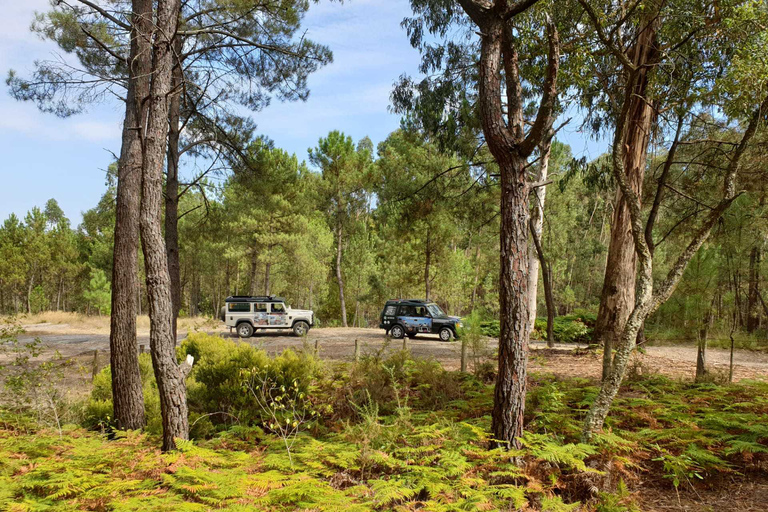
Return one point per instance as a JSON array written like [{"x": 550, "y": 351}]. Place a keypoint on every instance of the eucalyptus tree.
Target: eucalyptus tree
[
  {"x": 655, "y": 60},
  {"x": 735, "y": 89}
]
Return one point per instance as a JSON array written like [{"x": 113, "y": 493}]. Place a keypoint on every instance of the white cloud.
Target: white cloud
[{"x": 25, "y": 118}]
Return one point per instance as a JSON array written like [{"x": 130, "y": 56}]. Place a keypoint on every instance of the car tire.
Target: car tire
[
  {"x": 244, "y": 330},
  {"x": 397, "y": 332},
  {"x": 300, "y": 328},
  {"x": 412, "y": 335},
  {"x": 446, "y": 334}
]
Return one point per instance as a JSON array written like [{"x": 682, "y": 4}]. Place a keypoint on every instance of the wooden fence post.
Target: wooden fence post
[
  {"x": 357, "y": 350},
  {"x": 463, "y": 356},
  {"x": 405, "y": 342},
  {"x": 141, "y": 349},
  {"x": 95, "y": 365},
  {"x": 317, "y": 348}
]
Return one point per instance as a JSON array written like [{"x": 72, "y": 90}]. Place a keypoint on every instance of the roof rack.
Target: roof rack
[
  {"x": 418, "y": 301},
  {"x": 254, "y": 298}
]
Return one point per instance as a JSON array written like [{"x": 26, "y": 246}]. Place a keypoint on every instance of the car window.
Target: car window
[
  {"x": 390, "y": 310},
  {"x": 278, "y": 308},
  {"x": 419, "y": 311},
  {"x": 261, "y": 308},
  {"x": 435, "y": 310},
  {"x": 239, "y": 307},
  {"x": 406, "y": 311}
]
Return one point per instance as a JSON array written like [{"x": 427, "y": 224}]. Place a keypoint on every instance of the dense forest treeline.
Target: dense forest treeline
[{"x": 415, "y": 222}]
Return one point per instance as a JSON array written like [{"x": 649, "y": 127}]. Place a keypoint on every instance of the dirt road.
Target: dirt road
[{"x": 339, "y": 343}]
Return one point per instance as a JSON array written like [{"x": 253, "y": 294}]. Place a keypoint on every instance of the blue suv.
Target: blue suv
[{"x": 409, "y": 317}]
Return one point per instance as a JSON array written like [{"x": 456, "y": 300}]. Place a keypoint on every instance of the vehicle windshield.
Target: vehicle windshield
[{"x": 435, "y": 310}]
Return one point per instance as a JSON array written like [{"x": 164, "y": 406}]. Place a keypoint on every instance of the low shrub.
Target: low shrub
[
  {"x": 385, "y": 379},
  {"x": 226, "y": 372},
  {"x": 566, "y": 329},
  {"x": 219, "y": 387},
  {"x": 577, "y": 327}
]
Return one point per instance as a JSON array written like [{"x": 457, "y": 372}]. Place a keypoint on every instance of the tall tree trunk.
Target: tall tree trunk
[
  {"x": 701, "y": 348},
  {"x": 254, "y": 272},
  {"x": 267, "y": 269},
  {"x": 546, "y": 274},
  {"x": 339, "y": 277},
  {"x": 537, "y": 226},
  {"x": 477, "y": 277},
  {"x": 428, "y": 254},
  {"x": 58, "y": 293},
  {"x": 127, "y": 394},
  {"x": 169, "y": 375},
  {"x": 172, "y": 183},
  {"x": 30, "y": 287},
  {"x": 509, "y": 393},
  {"x": 505, "y": 134},
  {"x": 618, "y": 294},
  {"x": 753, "y": 315},
  {"x": 737, "y": 296}
]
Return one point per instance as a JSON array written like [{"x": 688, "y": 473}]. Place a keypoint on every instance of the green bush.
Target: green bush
[
  {"x": 384, "y": 380},
  {"x": 491, "y": 328},
  {"x": 217, "y": 387},
  {"x": 574, "y": 328},
  {"x": 98, "y": 409},
  {"x": 221, "y": 378}
]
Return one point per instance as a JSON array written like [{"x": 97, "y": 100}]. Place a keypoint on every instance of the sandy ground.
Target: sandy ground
[{"x": 339, "y": 344}]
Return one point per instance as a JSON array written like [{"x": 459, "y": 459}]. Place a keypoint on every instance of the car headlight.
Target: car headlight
[{"x": 459, "y": 324}]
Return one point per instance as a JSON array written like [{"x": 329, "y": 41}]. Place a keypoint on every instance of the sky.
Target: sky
[{"x": 46, "y": 157}]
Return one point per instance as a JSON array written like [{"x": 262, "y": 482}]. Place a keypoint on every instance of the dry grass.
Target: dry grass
[{"x": 61, "y": 322}]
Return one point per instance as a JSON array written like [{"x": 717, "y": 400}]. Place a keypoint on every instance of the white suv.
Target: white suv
[{"x": 246, "y": 314}]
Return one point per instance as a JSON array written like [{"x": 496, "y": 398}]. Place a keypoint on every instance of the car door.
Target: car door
[
  {"x": 278, "y": 315},
  {"x": 260, "y": 314},
  {"x": 413, "y": 319},
  {"x": 424, "y": 319}
]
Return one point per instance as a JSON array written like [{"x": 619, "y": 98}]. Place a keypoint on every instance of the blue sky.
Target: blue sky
[{"x": 45, "y": 157}]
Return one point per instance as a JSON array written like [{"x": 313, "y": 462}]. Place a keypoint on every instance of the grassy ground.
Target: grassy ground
[
  {"x": 392, "y": 433},
  {"x": 62, "y": 322}
]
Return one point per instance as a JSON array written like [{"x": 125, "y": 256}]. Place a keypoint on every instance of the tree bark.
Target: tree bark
[
  {"x": 339, "y": 277},
  {"x": 170, "y": 378},
  {"x": 753, "y": 315},
  {"x": 127, "y": 394},
  {"x": 172, "y": 183},
  {"x": 29, "y": 293},
  {"x": 428, "y": 259},
  {"x": 546, "y": 274},
  {"x": 537, "y": 226},
  {"x": 701, "y": 348},
  {"x": 254, "y": 272},
  {"x": 618, "y": 293},
  {"x": 267, "y": 269}
]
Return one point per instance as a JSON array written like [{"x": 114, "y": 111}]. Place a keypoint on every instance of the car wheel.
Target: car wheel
[
  {"x": 300, "y": 328},
  {"x": 245, "y": 330},
  {"x": 396, "y": 332},
  {"x": 446, "y": 334}
]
